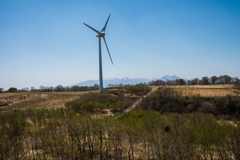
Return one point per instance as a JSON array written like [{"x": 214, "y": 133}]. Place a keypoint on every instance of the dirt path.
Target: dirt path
[{"x": 139, "y": 100}]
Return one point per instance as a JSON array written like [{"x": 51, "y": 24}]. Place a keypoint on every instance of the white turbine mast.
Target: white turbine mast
[{"x": 99, "y": 35}]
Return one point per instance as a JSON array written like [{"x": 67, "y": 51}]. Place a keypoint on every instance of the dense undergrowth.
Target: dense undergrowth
[
  {"x": 66, "y": 134},
  {"x": 94, "y": 102},
  {"x": 138, "y": 89},
  {"x": 168, "y": 100},
  {"x": 237, "y": 86}
]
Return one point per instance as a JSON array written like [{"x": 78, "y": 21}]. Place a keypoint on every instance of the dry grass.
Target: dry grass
[
  {"x": 208, "y": 92},
  {"x": 74, "y": 93},
  {"x": 38, "y": 100},
  {"x": 218, "y": 90},
  {"x": 4, "y": 95},
  {"x": 222, "y": 86}
]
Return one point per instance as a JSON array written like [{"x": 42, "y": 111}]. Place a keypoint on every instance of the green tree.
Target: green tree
[
  {"x": 196, "y": 80},
  {"x": 237, "y": 79},
  {"x": 193, "y": 82},
  {"x": 60, "y": 88},
  {"x": 180, "y": 81},
  {"x": 1, "y": 90},
  {"x": 12, "y": 89},
  {"x": 227, "y": 79},
  {"x": 95, "y": 87},
  {"x": 214, "y": 79},
  {"x": 205, "y": 80}
]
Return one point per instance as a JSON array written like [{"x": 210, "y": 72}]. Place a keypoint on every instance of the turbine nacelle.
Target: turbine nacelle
[{"x": 100, "y": 34}]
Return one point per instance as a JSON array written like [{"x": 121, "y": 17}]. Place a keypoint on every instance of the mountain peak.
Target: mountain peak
[
  {"x": 124, "y": 80},
  {"x": 169, "y": 77}
]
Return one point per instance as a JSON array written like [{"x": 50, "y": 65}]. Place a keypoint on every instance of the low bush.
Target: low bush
[
  {"x": 139, "y": 89},
  {"x": 93, "y": 102},
  {"x": 2, "y": 104}
]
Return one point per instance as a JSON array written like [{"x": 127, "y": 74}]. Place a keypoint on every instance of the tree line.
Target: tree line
[
  {"x": 58, "y": 88},
  {"x": 61, "y": 88},
  {"x": 222, "y": 79}
]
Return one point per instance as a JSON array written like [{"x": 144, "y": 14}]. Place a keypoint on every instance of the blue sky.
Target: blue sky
[{"x": 45, "y": 42}]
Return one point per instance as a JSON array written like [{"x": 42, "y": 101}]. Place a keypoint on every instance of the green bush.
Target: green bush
[
  {"x": 93, "y": 102},
  {"x": 139, "y": 89},
  {"x": 2, "y": 104},
  {"x": 114, "y": 107}
]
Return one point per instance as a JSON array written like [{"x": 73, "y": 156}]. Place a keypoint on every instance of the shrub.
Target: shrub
[
  {"x": 3, "y": 104},
  {"x": 139, "y": 89},
  {"x": 207, "y": 107},
  {"x": 12, "y": 89},
  {"x": 178, "y": 92},
  {"x": 232, "y": 104},
  {"x": 114, "y": 107}
]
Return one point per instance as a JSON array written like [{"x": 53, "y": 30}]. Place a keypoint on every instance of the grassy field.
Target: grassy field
[
  {"x": 219, "y": 90},
  {"x": 222, "y": 86},
  {"x": 208, "y": 92},
  {"x": 5, "y": 95},
  {"x": 38, "y": 100}
]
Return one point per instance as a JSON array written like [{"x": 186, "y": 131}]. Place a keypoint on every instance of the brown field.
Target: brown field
[
  {"x": 222, "y": 86},
  {"x": 39, "y": 100},
  {"x": 218, "y": 90},
  {"x": 5, "y": 95},
  {"x": 74, "y": 93},
  {"x": 208, "y": 92}
]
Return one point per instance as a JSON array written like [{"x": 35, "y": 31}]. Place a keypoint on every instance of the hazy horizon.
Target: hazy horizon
[{"x": 45, "y": 42}]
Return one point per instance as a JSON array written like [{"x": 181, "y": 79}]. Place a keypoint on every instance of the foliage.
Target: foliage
[
  {"x": 193, "y": 82},
  {"x": 114, "y": 106},
  {"x": 170, "y": 100},
  {"x": 12, "y": 89},
  {"x": 93, "y": 102},
  {"x": 180, "y": 81},
  {"x": 63, "y": 134},
  {"x": 237, "y": 86},
  {"x": 214, "y": 79},
  {"x": 222, "y": 79},
  {"x": 139, "y": 89},
  {"x": 205, "y": 80},
  {"x": 3, "y": 103},
  {"x": 178, "y": 92}
]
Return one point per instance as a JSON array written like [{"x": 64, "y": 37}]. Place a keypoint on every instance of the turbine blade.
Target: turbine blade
[
  {"x": 92, "y": 28},
  {"x": 104, "y": 28},
  {"x": 107, "y": 49}
]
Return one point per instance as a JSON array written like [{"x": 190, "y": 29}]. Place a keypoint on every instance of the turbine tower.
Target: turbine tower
[{"x": 101, "y": 35}]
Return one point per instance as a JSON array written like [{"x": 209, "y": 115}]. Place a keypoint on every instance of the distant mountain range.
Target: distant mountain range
[{"x": 124, "y": 80}]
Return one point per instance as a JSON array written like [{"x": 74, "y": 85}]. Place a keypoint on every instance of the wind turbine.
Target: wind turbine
[{"x": 101, "y": 35}]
